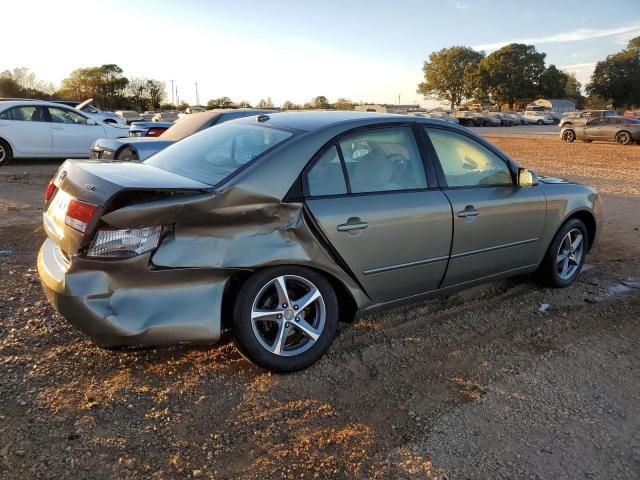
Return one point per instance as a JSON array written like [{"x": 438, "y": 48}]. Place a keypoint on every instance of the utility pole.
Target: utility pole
[
  {"x": 177, "y": 96},
  {"x": 197, "y": 97},
  {"x": 398, "y": 99},
  {"x": 173, "y": 98}
]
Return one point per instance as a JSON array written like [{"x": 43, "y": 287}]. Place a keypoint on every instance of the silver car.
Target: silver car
[{"x": 278, "y": 226}]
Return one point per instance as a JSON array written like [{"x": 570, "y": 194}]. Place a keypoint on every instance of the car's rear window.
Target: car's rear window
[{"x": 213, "y": 154}]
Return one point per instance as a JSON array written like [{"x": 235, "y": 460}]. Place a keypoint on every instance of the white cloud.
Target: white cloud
[
  {"x": 578, "y": 35},
  {"x": 582, "y": 71}
]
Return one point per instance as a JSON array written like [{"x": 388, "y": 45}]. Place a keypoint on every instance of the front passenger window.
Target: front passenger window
[
  {"x": 59, "y": 115},
  {"x": 466, "y": 163}
]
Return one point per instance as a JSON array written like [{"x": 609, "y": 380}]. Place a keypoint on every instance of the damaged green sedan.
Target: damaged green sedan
[{"x": 278, "y": 226}]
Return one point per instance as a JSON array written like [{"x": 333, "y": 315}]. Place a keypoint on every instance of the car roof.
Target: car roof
[
  {"x": 30, "y": 103},
  {"x": 309, "y": 121}
]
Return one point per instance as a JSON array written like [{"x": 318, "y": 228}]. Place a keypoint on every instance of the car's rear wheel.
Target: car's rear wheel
[
  {"x": 565, "y": 257},
  {"x": 540, "y": 122},
  {"x": 623, "y": 138},
  {"x": 285, "y": 318},
  {"x": 568, "y": 136},
  {"x": 5, "y": 153}
]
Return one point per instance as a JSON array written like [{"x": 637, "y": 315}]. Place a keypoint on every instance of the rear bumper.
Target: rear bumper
[{"x": 126, "y": 302}]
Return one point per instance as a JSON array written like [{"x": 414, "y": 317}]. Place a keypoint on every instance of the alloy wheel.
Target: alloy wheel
[
  {"x": 3, "y": 153},
  {"x": 568, "y": 136},
  {"x": 623, "y": 138},
  {"x": 288, "y": 315},
  {"x": 570, "y": 253}
]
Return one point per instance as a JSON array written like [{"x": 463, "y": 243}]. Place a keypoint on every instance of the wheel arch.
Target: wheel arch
[
  {"x": 347, "y": 305},
  {"x": 589, "y": 220},
  {"x": 5, "y": 140}
]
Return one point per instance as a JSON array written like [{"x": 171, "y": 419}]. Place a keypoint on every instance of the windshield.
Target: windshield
[{"x": 213, "y": 154}]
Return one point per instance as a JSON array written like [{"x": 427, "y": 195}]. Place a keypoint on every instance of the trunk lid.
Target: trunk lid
[{"x": 108, "y": 186}]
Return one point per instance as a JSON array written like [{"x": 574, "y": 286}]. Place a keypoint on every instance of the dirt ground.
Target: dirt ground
[{"x": 479, "y": 384}]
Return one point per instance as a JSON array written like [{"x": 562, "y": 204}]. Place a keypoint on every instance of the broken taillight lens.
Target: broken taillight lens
[
  {"x": 48, "y": 193},
  {"x": 125, "y": 243},
  {"x": 79, "y": 214}
]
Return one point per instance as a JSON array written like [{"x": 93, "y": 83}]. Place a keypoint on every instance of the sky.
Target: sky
[{"x": 364, "y": 50}]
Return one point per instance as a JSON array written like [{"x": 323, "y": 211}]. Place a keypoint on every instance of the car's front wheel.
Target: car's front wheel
[
  {"x": 285, "y": 318},
  {"x": 565, "y": 257},
  {"x": 568, "y": 136},
  {"x": 623, "y": 138},
  {"x": 5, "y": 153}
]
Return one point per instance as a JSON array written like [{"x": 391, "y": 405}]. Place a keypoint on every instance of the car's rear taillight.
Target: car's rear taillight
[
  {"x": 48, "y": 193},
  {"x": 155, "y": 132},
  {"x": 79, "y": 214},
  {"x": 125, "y": 243}
]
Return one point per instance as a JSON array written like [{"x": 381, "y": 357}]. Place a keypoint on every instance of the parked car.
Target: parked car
[
  {"x": 583, "y": 117},
  {"x": 622, "y": 130},
  {"x": 148, "y": 115},
  {"x": 535, "y": 117},
  {"x": 504, "y": 119},
  {"x": 632, "y": 113},
  {"x": 489, "y": 119},
  {"x": 148, "y": 129},
  {"x": 468, "y": 119},
  {"x": 35, "y": 129},
  {"x": 91, "y": 110},
  {"x": 434, "y": 115},
  {"x": 445, "y": 117},
  {"x": 130, "y": 116},
  {"x": 165, "y": 117},
  {"x": 135, "y": 149},
  {"x": 278, "y": 226}
]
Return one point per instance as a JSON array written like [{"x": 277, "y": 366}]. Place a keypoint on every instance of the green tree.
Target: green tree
[
  {"x": 105, "y": 84},
  {"x": 617, "y": 79},
  {"x": 320, "y": 102},
  {"x": 344, "y": 104},
  {"x": 222, "y": 102},
  {"x": 288, "y": 105},
  {"x": 445, "y": 71},
  {"x": 512, "y": 74},
  {"x": 552, "y": 83},
  {"x": 137, "y": 94},
  {"x": 573, "y": 90},
  {"x": 244, "y": 104},
  {"x": 268, "y": 103},
  {"x": 157, "y": 92}
]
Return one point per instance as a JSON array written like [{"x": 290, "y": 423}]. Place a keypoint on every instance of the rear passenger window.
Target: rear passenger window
[
  {"x": 6, "y": 115},
  {"x": 326, "y": 176},
  {"x": 384, "y": 159}
]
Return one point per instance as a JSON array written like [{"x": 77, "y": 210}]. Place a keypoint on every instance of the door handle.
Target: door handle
[
  {"x": 58, "y": 128},
  {"x": 352, "y": 224},
  {"x": 468, "y": 211}
]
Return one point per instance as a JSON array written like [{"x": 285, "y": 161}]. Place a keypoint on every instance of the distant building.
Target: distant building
[
  {"x": 386, "y": 108},
  {"x": 554, "y": 104}
]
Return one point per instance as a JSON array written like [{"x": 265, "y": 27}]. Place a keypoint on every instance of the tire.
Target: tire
[
  {"x": 540, "y": 122},
  {"x": 623, "y": 138},
  {"x": 262, "y": 297},
  {"x": 552, "y": 272},
  {"x": 569, "y": 136},
  {"x": 6, "y": 155}
]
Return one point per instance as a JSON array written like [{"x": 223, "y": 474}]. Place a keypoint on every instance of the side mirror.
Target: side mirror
[
  {"x": 527, "y": 178},
  {"x": 91, "y": 121}
]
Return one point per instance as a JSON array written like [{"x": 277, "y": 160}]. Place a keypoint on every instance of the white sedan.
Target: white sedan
[{"x": 35, "y": 129}]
